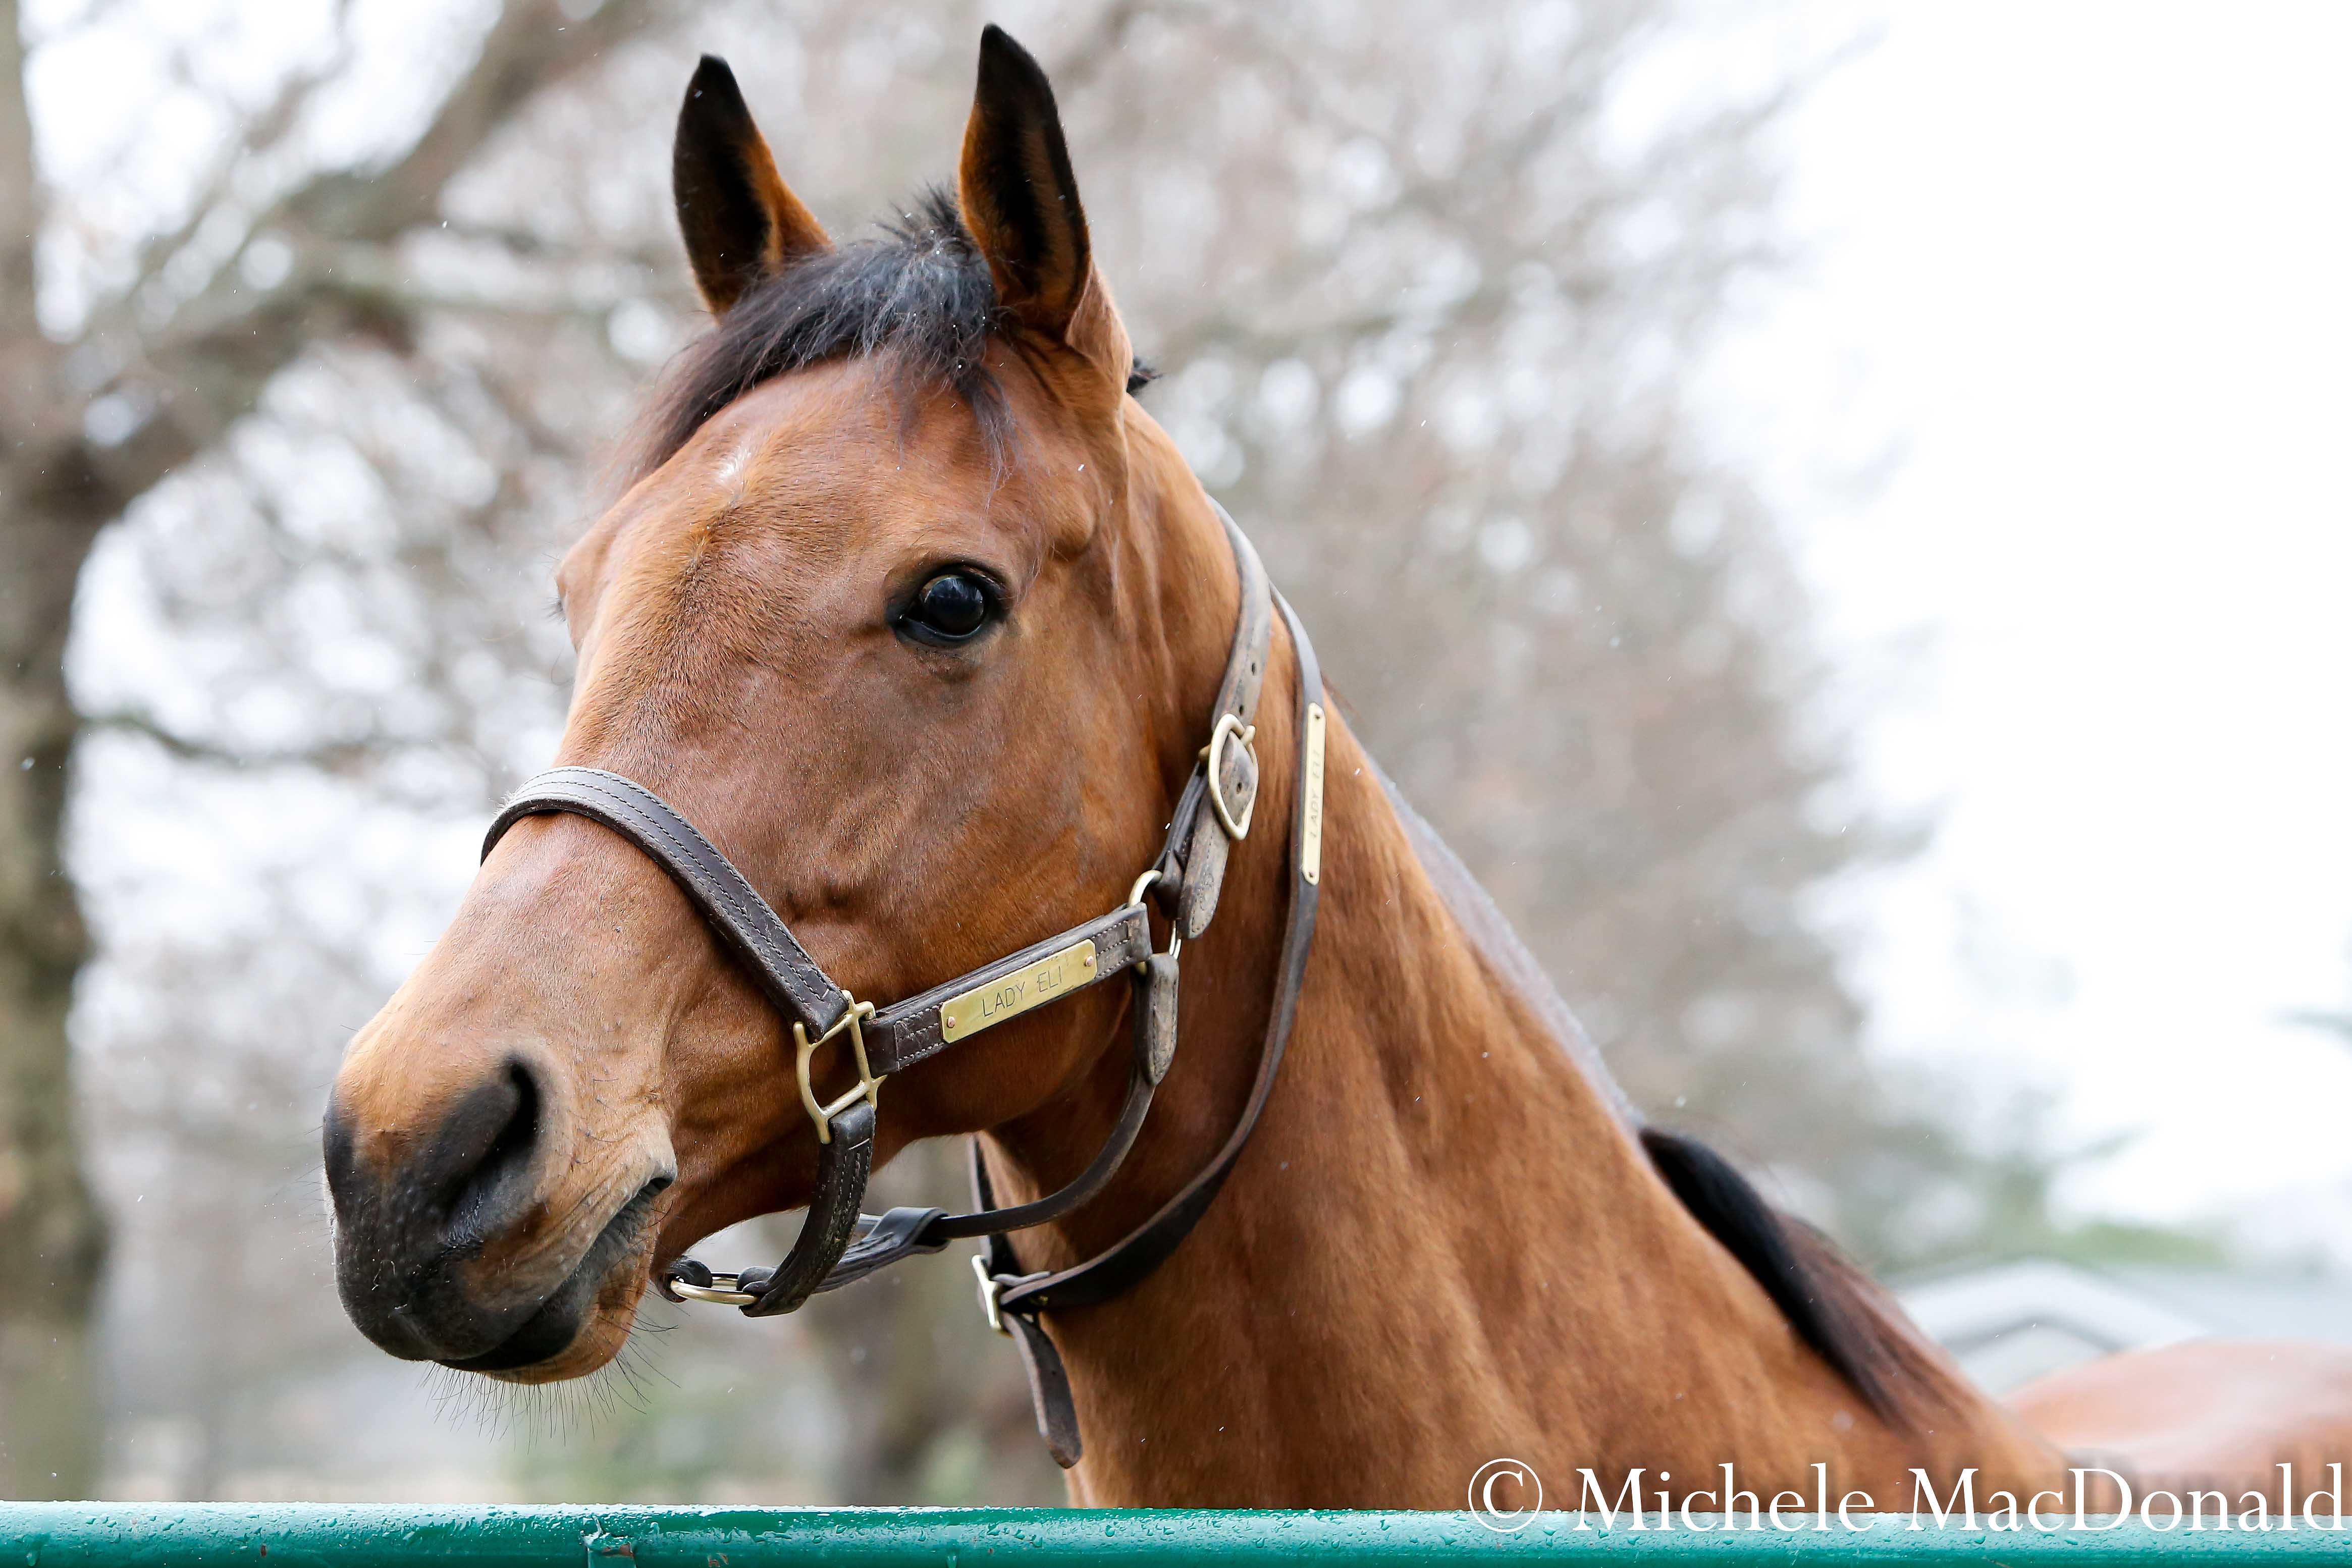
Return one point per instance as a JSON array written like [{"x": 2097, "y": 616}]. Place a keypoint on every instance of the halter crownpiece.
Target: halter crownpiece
[{"x": 838, "y": 1244}]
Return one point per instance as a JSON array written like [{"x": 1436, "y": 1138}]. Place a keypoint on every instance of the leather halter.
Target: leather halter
[{"x": 836, "y": 1244}]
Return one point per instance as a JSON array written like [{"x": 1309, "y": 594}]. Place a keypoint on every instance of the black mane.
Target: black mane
[
  {"x": 918, "y": 293},
  {"x": 1830, "y": 1304}
]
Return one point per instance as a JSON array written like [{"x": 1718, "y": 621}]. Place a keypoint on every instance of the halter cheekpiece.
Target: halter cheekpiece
[{"x": 838, "y": 1244}]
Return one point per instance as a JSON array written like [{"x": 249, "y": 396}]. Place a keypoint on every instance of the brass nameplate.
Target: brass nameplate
[
  {"x": 1310, "y": 846},
  {"x": 1031, "y": 986}
]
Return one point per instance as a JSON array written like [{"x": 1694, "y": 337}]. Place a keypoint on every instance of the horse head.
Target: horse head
[{"x": 886, "y": 612}]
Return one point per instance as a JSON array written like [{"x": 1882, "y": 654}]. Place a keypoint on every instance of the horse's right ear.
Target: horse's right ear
[{"x": 742, "y": 224}]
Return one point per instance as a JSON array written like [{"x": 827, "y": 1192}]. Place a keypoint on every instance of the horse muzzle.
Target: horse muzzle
[{"x": 449, "y": 1248}]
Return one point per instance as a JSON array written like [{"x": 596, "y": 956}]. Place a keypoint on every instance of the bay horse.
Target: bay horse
[{"x": 914, "y": 610}]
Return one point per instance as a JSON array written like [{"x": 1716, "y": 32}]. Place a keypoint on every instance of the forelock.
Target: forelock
[{"x": 917, "y": 295}]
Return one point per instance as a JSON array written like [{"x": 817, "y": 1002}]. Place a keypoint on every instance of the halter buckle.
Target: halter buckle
[
  {"x": 993, "y": 1286},
  {"x": 992, "y": 1293},
  {"x": 868, "y": 1085},
  {"x": 1229, "y": 727}
]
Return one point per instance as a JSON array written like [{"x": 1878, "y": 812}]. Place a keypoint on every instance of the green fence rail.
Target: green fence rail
[{"x": 290, "y": 1535}]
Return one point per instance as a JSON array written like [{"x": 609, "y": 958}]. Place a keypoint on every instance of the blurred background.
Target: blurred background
[{"x": 1837, "y": 511}]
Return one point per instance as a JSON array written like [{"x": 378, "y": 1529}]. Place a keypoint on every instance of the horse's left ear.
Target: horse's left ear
[{"x": 1020, "y": 200}]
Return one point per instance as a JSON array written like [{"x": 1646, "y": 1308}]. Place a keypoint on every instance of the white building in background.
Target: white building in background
[{"x": 2011, "y": 1322}]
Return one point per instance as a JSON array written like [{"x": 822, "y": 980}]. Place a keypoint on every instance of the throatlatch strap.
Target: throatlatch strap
[{"x": 1088, "y": 1182}]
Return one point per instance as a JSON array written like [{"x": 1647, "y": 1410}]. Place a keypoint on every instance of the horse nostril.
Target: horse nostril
[
  {"x": 485, "y": 1156},
  {"x": 415, "y": 1201}
]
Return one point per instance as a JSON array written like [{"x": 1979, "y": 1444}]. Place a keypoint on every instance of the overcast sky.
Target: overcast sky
[{"x": 2079, "y": 275}]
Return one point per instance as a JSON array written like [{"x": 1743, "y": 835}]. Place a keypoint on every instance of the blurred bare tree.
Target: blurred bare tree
[
  {"x": 136, "y": 338},
  {"x": 1429, "y": 287}
]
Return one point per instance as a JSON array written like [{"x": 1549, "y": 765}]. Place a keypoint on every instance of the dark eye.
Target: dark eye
[{"x": 950, "y": 608}]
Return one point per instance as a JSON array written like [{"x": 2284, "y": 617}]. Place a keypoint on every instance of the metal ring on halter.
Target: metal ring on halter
[
  {"x": 1135, "y": 896},
  {"x": 723, "y": 1295}
]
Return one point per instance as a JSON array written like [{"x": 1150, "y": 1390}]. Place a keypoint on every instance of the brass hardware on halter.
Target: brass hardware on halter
[
  {"x": 1009, "y": 995},
  {"x": 1213, "y": 754},
  {"x": 992, "y": 1291},
  {"x": 1311, "y": 842},
  {"x": 868, "y": 1086},
  {"x": 1135, "y": 896},
  {"x": 721, "y": 1290}
]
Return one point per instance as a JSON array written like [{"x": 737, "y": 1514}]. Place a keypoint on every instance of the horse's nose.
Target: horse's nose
[
  {"x": 477, "y": 1169},
  {"x": 408, "y": 1210}
]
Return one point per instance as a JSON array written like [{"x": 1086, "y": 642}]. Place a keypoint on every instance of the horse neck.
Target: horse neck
[{"x": 1444, "y": 1243}]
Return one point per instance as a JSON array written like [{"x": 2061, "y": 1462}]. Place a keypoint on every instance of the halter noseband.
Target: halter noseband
[{"x": 836, "y": 1244}]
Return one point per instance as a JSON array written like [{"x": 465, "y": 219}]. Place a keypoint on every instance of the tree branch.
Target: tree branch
[
  {"x": 340, "y": 757},
  {"x": 242, "y": 337},
  {"x": 532, "y": 44}
]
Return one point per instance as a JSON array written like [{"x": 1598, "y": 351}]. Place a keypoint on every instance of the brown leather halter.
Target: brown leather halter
[{"x": 836, "y": 1244}]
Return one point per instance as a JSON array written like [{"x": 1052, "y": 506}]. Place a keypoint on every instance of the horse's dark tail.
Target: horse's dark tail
[{"x": 1831, "y": 1304}]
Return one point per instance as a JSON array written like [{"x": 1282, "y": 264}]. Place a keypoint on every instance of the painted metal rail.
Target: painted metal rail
[{"x": 292, "y": 1535}]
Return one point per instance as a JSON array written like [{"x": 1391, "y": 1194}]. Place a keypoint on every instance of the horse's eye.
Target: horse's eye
[{"x": 950, "y": 608}]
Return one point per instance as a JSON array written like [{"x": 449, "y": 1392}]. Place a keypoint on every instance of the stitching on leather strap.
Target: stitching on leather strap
[
  {"x": 682, "y": 850},
  {"x": 907, "y": 1032}
]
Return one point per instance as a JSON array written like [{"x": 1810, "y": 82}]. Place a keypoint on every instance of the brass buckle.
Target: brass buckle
[
  {"x": 992, "y": 1293},
  {"x": 1228, "y": 725},
  {"x": 854, "y": 1020}
]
